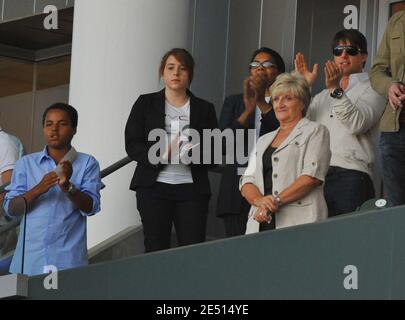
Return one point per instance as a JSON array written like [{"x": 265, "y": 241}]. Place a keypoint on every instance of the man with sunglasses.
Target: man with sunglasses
[
  {"x": 351, "y": 109},
  {"x": 388, "y": 78},
  {"x": 250, "y": 110}
]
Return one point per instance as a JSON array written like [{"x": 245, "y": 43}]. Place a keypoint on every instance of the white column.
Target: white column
[{"x": 117, "y": 47}]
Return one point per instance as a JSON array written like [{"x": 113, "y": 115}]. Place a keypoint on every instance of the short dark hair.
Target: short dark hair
[
  {"x": 354, "y": 36},
  {"x": 72, "y": 112},
  {"x": 183, "y": 56},
  {"x": 278, "y": 60}
]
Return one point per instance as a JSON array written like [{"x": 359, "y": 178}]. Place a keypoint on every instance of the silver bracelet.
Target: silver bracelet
[{"x": 278, "y": 200}]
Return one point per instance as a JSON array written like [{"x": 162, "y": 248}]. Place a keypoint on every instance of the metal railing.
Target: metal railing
[
  {"x": 104, "y": 173},
  {"x": 115, "y": 166}
]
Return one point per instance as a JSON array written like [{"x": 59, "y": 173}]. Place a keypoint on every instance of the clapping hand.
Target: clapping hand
[
  {"x": 259, "y": 83},
  {"x": 66, "y": 173},
  {"x": 302, "y": 68},
  {"x": 48, "y": 181},
  {"x": 249, "y": 96},
  {"x": 333, "y": 75},
  {"x": 255, "y": 87}
]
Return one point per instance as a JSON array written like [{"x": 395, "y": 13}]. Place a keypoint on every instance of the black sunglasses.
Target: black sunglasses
[{"x": 351, "y": 51}]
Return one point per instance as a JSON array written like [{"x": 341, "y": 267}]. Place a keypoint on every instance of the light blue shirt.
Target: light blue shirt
[{"x": 55, "y": 228}]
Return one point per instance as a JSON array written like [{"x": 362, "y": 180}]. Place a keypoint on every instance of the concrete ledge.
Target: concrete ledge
[
  {"x": 353, "y": 256},
  {"x": 13, "y": 286}
]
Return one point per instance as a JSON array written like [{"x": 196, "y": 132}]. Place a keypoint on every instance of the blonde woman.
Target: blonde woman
[{"x": 284, "y": 179}]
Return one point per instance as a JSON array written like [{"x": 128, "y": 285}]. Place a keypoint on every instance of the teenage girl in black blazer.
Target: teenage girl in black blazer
[{"x": 170, "y": 193}]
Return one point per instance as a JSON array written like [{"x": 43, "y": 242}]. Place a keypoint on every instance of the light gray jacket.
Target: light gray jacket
[{"x": 304, "y": 152}]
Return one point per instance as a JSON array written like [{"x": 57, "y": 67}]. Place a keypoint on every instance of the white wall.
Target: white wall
[{"x": 117, "y": 47}]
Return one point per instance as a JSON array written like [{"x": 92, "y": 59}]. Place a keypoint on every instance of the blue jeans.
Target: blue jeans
[
  {"x": 392, "y": 146},
  {"x": 346, "y": 190}
]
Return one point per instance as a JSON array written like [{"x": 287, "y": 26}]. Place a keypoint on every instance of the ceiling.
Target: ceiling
[
  {"x": 30, "y": 34},
  {"x": 17, "y": 75}
]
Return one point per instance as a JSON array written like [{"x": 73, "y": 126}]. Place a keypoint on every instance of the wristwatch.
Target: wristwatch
[
  {"x": 71, "y": 190},
  {"x": 337, "y": 93}
]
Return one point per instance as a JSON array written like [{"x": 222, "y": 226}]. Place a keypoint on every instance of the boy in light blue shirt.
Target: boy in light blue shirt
[{"x": 57, "y": 188}]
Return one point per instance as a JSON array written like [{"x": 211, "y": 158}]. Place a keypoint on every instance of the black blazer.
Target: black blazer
[
  {"x": 230, "y": 201},
  {"x": 148, "y": 113}
]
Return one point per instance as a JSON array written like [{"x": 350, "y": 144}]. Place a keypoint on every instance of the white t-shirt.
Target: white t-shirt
[
  {"x": 9, "y": 153},
  {"x": 258, "y": 118},
  {"x": 176, "y": 118}
]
